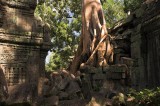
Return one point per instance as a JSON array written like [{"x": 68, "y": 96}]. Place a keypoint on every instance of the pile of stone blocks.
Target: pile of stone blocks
[{"x": 61, "y": 88}]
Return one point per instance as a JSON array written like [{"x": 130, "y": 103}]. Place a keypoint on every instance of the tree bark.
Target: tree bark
[{"x": 94, "y": 48}]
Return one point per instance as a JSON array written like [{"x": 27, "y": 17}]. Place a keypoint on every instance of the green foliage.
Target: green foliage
[
  {"x": 64, "y": 18},
  {"x": 146, "y": 97},
  {"x": 114, "y": 11},
  {"x": 65, "y": 28}
]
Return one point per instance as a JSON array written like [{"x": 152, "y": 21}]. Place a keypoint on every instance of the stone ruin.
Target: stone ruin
[
  {"x": 24, "y": 43},
  {"x": 136, "y": 43},
  {"x": 135, "y": 64},
  {"x": 24, "y": 47}
]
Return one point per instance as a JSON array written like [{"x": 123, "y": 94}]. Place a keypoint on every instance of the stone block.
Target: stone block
[
  {"x": 86, "y": 86},
  {"x": 117, "y": 51},
  {"x": 151, "y": 25},
  {"x": 75, "y": 102},
  {"x": 135, "y": 76},
  {"x": 93, "y": 70},
  {"x": 108, "y": 75},
  {"x": 121, "y": 68},
  {"x": 21, "y": 93},
  {"x": 135, "y": 50},
  {"x": 63, "y": 84},
  {"x": 99, "y": 76},
  {"x": 117, "y": 76},
  {"x": 77, "y": 95},
  {"x": 51, "y": 101},
  {"x": 139, "y": 12},
  {"x": 128, "y": 61},
  {"x": 97, "y": 84},
  {"x": 117, "y": 57},
  {"x": 129, "y": 18},
  {"x": 73, "y": 87},
  {"x": 53, "y": 91},
  {"x": 141, "y": 62},
  {"x": 121, "y": 43},
  {"x": 136, "y": 37},
  {"x": 108, "y": 85},
  {"x": 41, "y": 89},
  {"x": 116, "y": 72},
  {"x": 89, "y": 69},
  {"x": 63, "y": 95},
  {"x": 126, "y": 34},
  {"x": 138, "y": 28}
]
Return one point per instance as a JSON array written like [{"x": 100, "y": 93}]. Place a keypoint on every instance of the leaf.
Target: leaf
[{"x": 111, "y": 2}]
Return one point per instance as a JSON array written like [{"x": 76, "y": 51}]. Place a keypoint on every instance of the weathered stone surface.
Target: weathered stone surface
[
  {"x": 86, "y": 86},
  {"x": 135, "y": 38},
  {"x": 128, "y": 61},
  {"x": 51, "y": 101},
  {"x": 23, "y": 48},
  {"x": 64, "y": 83},
  {"x": 99, "y": 77},
  {"x": 139, "y": 12},
  {"x": 143, "y": 46},
  {"x": 129, "y": 18},
  {"x": 20, "y": 4},
  {"x": 63, "y": 95},
  {"x": 73, "y": 88},
  {"x": 3, "y": 86},
  {"x": 76, "y": 102}
]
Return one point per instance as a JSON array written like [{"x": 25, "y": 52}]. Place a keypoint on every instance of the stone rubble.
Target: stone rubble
[{"x": 136, "y": 61}]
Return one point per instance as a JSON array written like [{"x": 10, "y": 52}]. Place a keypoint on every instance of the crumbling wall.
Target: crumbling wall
[
  {"x": 140, "y": 34},
  {"x": 23, "y": 48}
]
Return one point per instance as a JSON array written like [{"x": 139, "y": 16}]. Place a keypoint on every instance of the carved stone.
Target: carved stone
[{"x": 23, "y": 48}]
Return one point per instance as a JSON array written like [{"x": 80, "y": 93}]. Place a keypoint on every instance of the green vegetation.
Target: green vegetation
[
  {"x": 145, "y": 97},
  {"x": 65, "y": 28},
  {"x": 114, "y": 11},
  {"x": 64, "y": 18}
]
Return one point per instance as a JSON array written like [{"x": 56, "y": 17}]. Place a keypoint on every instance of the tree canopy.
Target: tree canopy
[{"x": 64, "y": 19}]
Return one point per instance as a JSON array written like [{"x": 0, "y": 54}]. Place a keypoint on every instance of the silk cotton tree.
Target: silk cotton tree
[
  {"x": 64, "y": 18},
  {"x": 94, "y": 47}
]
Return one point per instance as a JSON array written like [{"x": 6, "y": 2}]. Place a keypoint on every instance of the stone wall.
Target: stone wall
[
  {"x": 23, "y": 48},
  {"x": 136, "y": 41}
]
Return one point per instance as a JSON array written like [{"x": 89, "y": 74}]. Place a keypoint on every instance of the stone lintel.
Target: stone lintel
[
  {"x": 22, "y": 4},
  {"x": 20, "y": 39}
]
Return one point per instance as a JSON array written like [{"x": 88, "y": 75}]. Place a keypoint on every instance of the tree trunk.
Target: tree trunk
[{"x": 94, "y": 48}]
